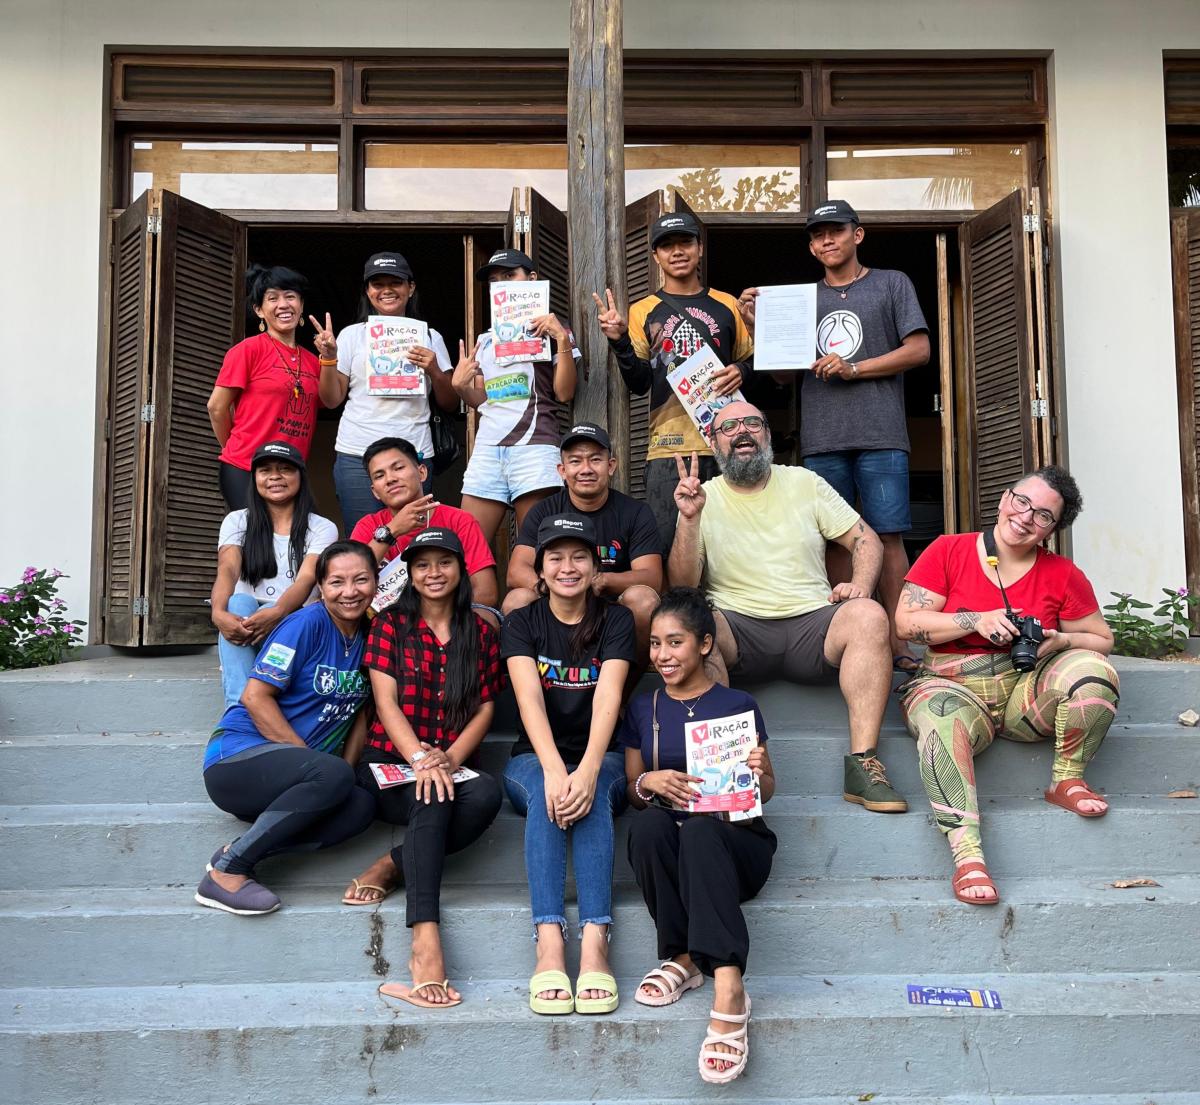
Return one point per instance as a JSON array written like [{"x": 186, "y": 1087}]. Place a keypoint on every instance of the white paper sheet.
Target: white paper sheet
[{"x": 785, "y": 327}]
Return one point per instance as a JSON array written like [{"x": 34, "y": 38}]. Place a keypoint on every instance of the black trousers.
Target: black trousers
[
  {"x": 435, "y": 830},
  {"x": 298, "y": 799},
  {"x": 694, "y": 877},
  {"x": 235, "y": 485}
]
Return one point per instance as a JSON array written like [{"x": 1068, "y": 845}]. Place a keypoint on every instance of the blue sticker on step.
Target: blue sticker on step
[{"x": 954, "y": 996}]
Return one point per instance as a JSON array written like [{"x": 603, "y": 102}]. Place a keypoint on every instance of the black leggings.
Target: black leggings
[
  {"x": 299, "y": 800},
  {"x": 694, "y": 877},
  {"x": 235, "y": 485},
  {"x": 435, "y": 830}
]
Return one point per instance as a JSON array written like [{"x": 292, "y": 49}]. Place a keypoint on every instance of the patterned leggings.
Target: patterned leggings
[{"x": 958, "y": 704}]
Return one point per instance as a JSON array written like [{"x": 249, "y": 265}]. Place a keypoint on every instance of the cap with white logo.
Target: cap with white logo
[
  {"x": 586, "y": 431},
  {"x": 681, "y": 222},
  {"x": 832, "y": 211}
]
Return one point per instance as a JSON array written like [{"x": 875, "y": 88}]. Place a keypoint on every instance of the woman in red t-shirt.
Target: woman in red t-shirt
[
  {"x": 968, "y": 690},
  {"x": 268, "y": 387}
]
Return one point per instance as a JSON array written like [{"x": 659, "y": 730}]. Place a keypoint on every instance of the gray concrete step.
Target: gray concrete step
[
  {"x": 164, "y": 844},
  {"x": 158, "y": 767},
  {"x": 819, "y": 1036},
  {"x": 893, "y": 926}
]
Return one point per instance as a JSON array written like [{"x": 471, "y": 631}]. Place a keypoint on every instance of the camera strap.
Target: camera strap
[{"x": 993, "y": 558}]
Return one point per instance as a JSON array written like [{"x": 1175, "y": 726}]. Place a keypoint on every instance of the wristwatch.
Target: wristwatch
[
  {"x": 418, "y": 756},
  {"x": 853, "y": 369},
  {"x": 383, "y": 535}
]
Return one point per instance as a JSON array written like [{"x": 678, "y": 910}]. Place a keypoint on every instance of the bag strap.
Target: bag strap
[{"x": 654, "y": 727}]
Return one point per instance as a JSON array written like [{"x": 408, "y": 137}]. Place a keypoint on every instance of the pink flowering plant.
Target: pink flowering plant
[
  {"x": 1161, "y": 632},
  {"x": 34, "y": 629}
]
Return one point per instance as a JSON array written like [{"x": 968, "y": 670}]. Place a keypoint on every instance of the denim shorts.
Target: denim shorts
[
  {"x": 504, "y": 473},
  {"x": 877, "y": 479}
]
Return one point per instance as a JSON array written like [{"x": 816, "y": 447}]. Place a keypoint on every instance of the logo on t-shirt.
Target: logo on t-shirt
[
  {"x": 609, "y": 553},
  {"x": 839, "y": 332},
  {"x": 325, "y": 679},
  {"x": 555, "y": 673},
  {"x": 278, "y": 657}
]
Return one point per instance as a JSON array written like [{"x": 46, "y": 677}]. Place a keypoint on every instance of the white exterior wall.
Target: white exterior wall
[{"x": 1108, "y": 178}]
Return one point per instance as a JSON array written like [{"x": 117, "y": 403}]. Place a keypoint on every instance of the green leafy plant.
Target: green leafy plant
[
  {"x": 1139, "y": 634},
  {"x": 34, "y": 629}
]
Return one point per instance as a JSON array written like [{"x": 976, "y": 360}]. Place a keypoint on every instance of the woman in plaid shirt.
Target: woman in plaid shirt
[{"x": 435, "y": 673}]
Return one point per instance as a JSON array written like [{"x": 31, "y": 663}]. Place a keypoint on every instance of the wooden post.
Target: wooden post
[{"x": 596, "y": 202}]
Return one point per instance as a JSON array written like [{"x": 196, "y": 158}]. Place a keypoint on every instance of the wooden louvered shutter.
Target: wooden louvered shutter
[
  {"x": 1001, "y": 370},
  {"x": 1185, "y": 269},
  {"x": 128, "y": 390},
  {"x": 642, "y": 276},
  {"x": 198, "y": 312},
  {"x": 546, "y": 244},
  {"x": 678, "y": 203}
]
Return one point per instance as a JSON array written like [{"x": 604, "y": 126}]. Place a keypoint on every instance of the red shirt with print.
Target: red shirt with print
[
  {"x": 279, "y": 399},
  {"x": 475, "y": 548},
  {"x": 1053, "y": 590}
]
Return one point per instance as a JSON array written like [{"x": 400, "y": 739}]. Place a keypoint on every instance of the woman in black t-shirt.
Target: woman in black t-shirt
[
  {"x": 568, "y": 655},
  {"x": 694, "y": 869}
]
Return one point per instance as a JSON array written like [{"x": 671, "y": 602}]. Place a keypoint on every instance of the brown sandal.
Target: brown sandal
[
  {"x": 974, "y": 873},
  {"x": 1070, "y": 792}
]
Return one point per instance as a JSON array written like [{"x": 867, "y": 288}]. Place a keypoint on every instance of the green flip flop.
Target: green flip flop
[
  {"x": 550, "y": 1007},
  {"x": 596, "y": 980}
]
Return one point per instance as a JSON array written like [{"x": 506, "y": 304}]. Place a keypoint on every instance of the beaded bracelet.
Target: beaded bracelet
[{"x": 637, "y": 788}]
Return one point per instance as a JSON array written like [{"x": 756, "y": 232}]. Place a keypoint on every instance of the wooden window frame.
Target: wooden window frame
[{"x": 1178, "y": 113}]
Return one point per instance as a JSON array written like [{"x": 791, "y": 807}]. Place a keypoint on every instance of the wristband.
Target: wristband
[
  {"x": 327, "y": 361},
  {"x": 853, "y": 369},
  {"x": 637, "y": 788},
  {"x": 417, "y": 757}
]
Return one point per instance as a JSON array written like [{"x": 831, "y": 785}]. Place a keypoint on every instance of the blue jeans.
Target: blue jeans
[
  {"x": 877, "y": 478},
  {"x": 546, "y": 843},
  {"x": 353, "y": 487},
  {"x": 237, "y": 661}
]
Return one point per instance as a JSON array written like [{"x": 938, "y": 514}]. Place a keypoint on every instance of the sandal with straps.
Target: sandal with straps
[
  {"x": 1070, "y": 792},
  {"x": 670, "y": 986},
  {"x": 738, "y": 1039},
  {"x": 974, "y": 873},
  {"x": 412, "y": 994}
]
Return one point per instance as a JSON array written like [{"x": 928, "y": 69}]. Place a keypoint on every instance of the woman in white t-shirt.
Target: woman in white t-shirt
[
  {"x": 388, "y": 289},
  {"x": 266, "y": 560}
]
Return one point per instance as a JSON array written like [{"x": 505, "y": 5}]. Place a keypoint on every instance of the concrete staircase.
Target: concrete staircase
[{"x": 119, "y": 989}]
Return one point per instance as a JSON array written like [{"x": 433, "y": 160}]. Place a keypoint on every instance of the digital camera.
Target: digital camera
[{"x": 1029, "y": 637}]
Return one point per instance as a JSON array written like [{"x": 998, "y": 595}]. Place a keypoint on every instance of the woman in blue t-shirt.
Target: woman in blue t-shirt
[
  {"x": 568, "y": 655},
  {"x": 283, "y": 757},
  {"x": 694, "y": 869}
]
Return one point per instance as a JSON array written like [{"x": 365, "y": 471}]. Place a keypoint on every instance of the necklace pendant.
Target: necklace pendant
[
  {"x": 843, "y": 295},
  {"x": 295, "y": 392}
]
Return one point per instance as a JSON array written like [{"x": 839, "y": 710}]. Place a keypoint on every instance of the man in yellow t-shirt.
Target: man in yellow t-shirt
[{"x": 755, "y": 537}]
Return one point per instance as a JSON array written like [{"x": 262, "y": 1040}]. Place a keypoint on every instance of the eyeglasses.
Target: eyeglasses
[
  {"x": 1043, "y": 518},
  {"x": 729, "y": 427}
]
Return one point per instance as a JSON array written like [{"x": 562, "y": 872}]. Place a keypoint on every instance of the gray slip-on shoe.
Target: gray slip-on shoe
[{"x": 248, "y": 901}]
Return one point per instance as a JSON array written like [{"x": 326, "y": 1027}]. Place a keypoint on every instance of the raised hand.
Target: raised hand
[
  {"x": 689, "y": 492},
  {"x": 612, "y": 322},
  {"x": 548, "y": 325},
  {"x": 467, "y": 369},
  {"x": 746, "y": 304},
  {"x": 323, "y": 337},
  {"x": 415, "y": 515}
]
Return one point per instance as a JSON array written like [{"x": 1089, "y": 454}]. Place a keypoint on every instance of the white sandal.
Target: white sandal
[
  {"x": 671, "y": 987},
  {"x": 738, "y": 1039}
]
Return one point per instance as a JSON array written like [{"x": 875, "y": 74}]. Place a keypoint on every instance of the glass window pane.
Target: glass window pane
[
  {"x": 468, "y": 177},
  {"x": 286, "y": 176},
  {"x": 1183, "y": 175},
  {"x": 888, "y": 177},
  {"x": 718, "y": 178}
]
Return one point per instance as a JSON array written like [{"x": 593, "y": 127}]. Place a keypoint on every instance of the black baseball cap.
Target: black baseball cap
[
  {"x": 561, "y": 527},
  {"x": 387, "y": 264},
  {"x": 832, "y": 211},
  {"x": 434, "y": 538},
  {"x": 504, "y": 259},
  {"x": 586, "y": 431},
  {"x": 277, "y": 450},
  {"x": 678, "y": 222}
]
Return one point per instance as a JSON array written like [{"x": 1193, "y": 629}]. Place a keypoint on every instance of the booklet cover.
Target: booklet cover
[
  {"x": 392, "y": 578},
  {"x": 692, "y": 382},
  {"x": 397, "y": 775},
  {"x": 717, "y": 750},
  {"x": 389, "y": 338},
  {"x": 515, "y": 304}
]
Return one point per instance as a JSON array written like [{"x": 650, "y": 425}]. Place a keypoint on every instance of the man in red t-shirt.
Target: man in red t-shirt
[{"x": 396, "y": 474}]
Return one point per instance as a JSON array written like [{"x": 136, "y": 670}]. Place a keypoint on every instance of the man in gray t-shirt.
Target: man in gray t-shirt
[{"x": 870, "y": 331}]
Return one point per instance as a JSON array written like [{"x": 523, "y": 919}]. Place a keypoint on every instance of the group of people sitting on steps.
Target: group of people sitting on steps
[{"x": 361, "y": 676}]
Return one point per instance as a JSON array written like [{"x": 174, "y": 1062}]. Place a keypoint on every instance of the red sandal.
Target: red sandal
[
  {"x": 972, "y": 874},
  {"x": 1070, "y": 792}
]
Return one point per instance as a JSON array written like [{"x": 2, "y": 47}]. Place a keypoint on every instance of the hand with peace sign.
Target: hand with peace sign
[
  {"x": 689, "y": 492},
  {"x": 323, "y": 337},
  {"x": 612, "y": 322}
]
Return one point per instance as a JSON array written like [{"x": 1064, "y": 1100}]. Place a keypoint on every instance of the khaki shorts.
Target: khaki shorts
[{"x": 787, "y": 648}]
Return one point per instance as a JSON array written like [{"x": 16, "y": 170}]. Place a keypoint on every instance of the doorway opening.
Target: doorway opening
[{"x": 332, "y": 259}]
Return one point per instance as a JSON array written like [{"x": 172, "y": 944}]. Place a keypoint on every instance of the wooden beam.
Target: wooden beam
[{"x": 596, "y": 206}]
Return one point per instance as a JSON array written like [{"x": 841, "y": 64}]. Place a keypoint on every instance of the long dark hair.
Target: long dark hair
[
  {"x": 587, "y": 632},
  {"x": 462, "y": 694},
  {"x": 258, "y": 549}
]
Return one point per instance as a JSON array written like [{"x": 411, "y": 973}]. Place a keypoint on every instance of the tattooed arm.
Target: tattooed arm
[
  {"x": 866, "y": 561},
  {"x": 921, "y": 616}
]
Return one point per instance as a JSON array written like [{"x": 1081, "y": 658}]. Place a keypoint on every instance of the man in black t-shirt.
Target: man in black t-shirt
[{"x": 627, "y": 536}]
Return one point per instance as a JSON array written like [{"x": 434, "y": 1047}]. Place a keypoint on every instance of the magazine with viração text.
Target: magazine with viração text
[
  {"x": 389, "y": 338},
  {"x": 515, "y": 304},
  {"x": 692, "y": 382},
  {"x": 717, "y": 751},
  {"x": 398, "y": 775}
]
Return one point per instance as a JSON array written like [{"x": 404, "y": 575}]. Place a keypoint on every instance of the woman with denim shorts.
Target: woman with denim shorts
[
  {"x": 568, "y": 654},
  {"x": 514, "y": 460}
]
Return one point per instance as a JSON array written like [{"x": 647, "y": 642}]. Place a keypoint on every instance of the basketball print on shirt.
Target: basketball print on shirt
[{"x": 839, "y": 332}]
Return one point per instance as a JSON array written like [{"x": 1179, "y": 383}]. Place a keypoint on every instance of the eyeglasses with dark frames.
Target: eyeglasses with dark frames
[
  {"x": 730, "y": 426},
  {"x": 1043, "y": 519}
]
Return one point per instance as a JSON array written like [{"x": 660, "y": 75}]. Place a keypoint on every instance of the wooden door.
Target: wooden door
[
  {"x": 678, "y": 203},
  {"x": 546, "y": 243},
  {"x": 1000, "y": 372},
  {"x": 1185, "y": 271},
  {"x": 198, "y": 314},
  {"x": 642, "y": 277}
]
